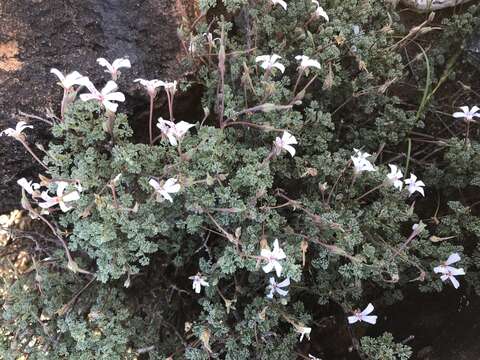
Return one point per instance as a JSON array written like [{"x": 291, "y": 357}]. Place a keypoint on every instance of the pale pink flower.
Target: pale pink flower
[
  {"x": 106, "y": 96},
  {"x": 17, "y": 133},
  {"x": 306, "y": 62},
  {"x": 68, "y": 81},
  {"x": 395, "y": 176},
  {"x": 270, "y": 61},
  {"x": 414, "y": 185},
  {"x": 319, "y": 12},
  {"x": 150, "y": 85},
  {"x": 363, "y": 316},
  {"x": 198, "y": 282},
  {"x": 60, "y": 199},
  {"x": 113, "y": 67},
  {"x": 273, "y": 258},
  {"x": 449, "y": 272},
  {"x": 303, "y": 331},
  {"x": 282, "y": 3},
  {"x": 360, "y": 162},
  {"x": 210, "y": 39},
  {"x": 174, "y": 132},
  {"x": 467, "y": 114},
  {"x": 29, "y": 187},
  {"x": 169, "y": 86},
  {"x": 169, "y": 187},
  {"x": 277, "y": 288},
  {"x": 285, "y": 143}
]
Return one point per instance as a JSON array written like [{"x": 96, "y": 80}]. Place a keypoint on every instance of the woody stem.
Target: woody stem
[
  {"x": 64, "y": 100},
  {"x": 151, "y": 120},
  {"x": 467, "y": 132},
  {"x": 298, "y": 81},
  {"x": 369, "y": 192},
  {"x": 25, "y": 145}
]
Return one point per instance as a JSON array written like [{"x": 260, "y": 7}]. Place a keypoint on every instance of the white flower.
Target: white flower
[
  {"x": 174, "y": 132},
  {"x": 273, "y": 258},
  {"x": 319, "y": 12},
  {"x": 170, "y": 87},
  {"x": 169, "y": 187},
  {"x": 67, "y": 82},
  {"x": 106, "y": 96},
  {"x": 277, "y": 288},
  {"x": 281, "y": 3},
  {"x": 363, "y": 316},
  {"x": 360, "y": 162},
  {"x": 311, "y": 357},
  {"x": 192, "y": 48},
  {"x": 303, "y": 331},
  {"x": 285, "y": 143},
  {"x": 113, "y": 67},
  {"x": 306, "y": 62},
  {"x": 150, "y": 85},
  {"x": 198, "y": 282},
  {"x": 467, "y": 114},
  {"x": 211, "y": 40},
  {"x": 17, "y": 133},
  {"x": 395, "y": 176},
  {"x": 28, "y": 186},
  {"x": 449, "y": 272},
  {"x": 116, "y": 179},
  {"x": 418, "y": 228},
  {"x": 270, "y": 61},
  {"x": 356, "y": 30},
  {"x": 60, "y": 199},
  {"x": 414, "y": 185}
]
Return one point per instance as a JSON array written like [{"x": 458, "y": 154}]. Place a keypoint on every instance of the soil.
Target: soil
[
  {"x": 37, "y": 35},
  {"x": 440, "y": 326},
  {"x": 437, "y": 326}
]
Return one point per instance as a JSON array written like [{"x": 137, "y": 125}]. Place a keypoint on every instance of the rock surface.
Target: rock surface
[{"x": 36, "y": 35}]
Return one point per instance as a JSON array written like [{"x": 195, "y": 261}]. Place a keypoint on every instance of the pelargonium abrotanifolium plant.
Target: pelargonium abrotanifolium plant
[{"x": 289, "y": 194}]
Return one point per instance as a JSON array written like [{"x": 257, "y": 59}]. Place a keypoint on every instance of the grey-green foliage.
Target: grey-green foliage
[
  {"x": 384, "y": 348},
  {"x": 236, "y": 196}
]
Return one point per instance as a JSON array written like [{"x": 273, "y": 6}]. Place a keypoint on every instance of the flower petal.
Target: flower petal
[
  {"x": 57, "y": 72},
  {"x": 290, "y": 149},
  {"x": 284, "y": 283},
  {"x": 279, "y": 66},
  {"x": 166, "y": 195},
  {"x": 72, "y": 196},
  {"x": 109, "y": 87},
  {"x": 87, "y": 97},
  {"x": 368, "y": 309},
  {"x": 458, "y": 115},
  {"x": 371, "y": 319},
  {"x": 268, "y": 267},
  {"x": 352, "y": 319},
  {"x": 282, "y": 292},
  {"x": 154, "y": 183},
  {"x": 110, "y": 106},
  {"x": 454, "y": 281},
  {"x": 453, "y": 258},
  {"x": 121, "y": 63},
  {"x": 278, "y": 268},
  {"x": 116, "y": 96},
  {"x": 64, "y": 207}
]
